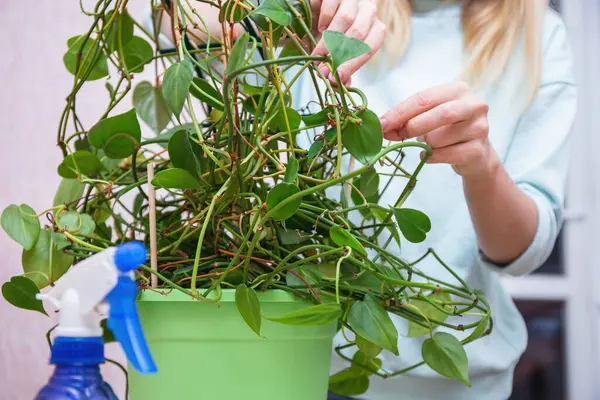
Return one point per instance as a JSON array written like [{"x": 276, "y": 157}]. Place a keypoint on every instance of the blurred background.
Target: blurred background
[{"x": 559, "y": 301}]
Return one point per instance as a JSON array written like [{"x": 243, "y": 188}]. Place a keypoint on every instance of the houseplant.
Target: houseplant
[{"x": 243, "y": 217}]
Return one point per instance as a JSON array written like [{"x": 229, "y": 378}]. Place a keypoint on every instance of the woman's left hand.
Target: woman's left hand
[{"x": 452, "y": 120}]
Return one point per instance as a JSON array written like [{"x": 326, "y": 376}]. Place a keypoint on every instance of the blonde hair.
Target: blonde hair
[{"x": 492, "y": 30}]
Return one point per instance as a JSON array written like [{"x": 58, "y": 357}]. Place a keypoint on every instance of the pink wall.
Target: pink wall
[{"x": 34, "y": 84}]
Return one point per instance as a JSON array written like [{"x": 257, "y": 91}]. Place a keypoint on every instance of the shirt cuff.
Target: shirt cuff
[{"x": 549, "y": 221}]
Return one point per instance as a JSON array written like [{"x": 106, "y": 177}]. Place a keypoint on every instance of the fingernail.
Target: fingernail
[
  {"x": 421, "y": 139},
  {"x": 384, "y": 123},
  {"x": 322, "y": 28},
  {"x": 324, "y": 70}
]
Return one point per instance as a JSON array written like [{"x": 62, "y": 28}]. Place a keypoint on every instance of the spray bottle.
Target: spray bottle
[{"x": 100, "y": 285}]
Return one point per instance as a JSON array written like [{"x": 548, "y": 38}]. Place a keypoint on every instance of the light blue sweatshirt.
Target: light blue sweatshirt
[{"x": 533, "y": 145}]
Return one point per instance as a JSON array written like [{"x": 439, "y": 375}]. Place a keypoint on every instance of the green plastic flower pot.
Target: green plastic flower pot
[{"x": 206, "y": 351}]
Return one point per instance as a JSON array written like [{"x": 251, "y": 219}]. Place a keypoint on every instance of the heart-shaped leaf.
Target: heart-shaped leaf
[
  {"x": 151, "y": 106},
  {"x": 87, "y": 59},
  {"x": 186, "y": 154},
  {"x": 232, "y": 12},
  {"x": 272, "y": 10},
  {"x": 291, "y": 171},
  {"x": 413, "y": 224},
  {"x": 290, "y": 115},
  {"x": 77, "y": 224},
  {"x": 176, "y": 85},
  {"x": 121, "y": 30},
  {"x": 360, "y": 363},
  {"x": 300, "y": 276},
  {"x": 349, "y": 382},
  {"x": 319, "y": 118},
  {"x": 237, "y": 54},
  {"x": 369, "y": 319},
  {"x": 204, "y": 91},
  {"x": 280, "y": 193},
  {"x": 36, "y": 261},
  {"x": 320, "y": 314},
  {"x": 368, "y": 183},
  {"x": 251, "y": 89},
  {"x": 20, "y": 291},
  {"x": 480, "y": 329},
  {"x": 364, "y": 141},
  {"x": 343, "y": 48},
  {"x": 59, "y": 240},
  {"x": 175, "y": 178},
  {"x": 118, "y": 136},
  {"x": 343, "y": 237},
  {"x": 83, "y": 161},
  {"x": 68, "y": 190},
  {"x": 370, "y": 349},
  {"x": 445, "y": 355},
  {"x": 21, "y": 224},
  {"x": 136, "y": 54},
  {"x": 248, "y": 305},
  {"x": 430, "y": 312}
]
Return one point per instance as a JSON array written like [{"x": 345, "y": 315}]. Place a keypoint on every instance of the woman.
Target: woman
[{"x": 495, "y": 189}]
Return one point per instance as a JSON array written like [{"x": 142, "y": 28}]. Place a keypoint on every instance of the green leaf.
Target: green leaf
[
  {"x": 237, "y": 54},
  {"x": 186, "y": 154},
  {"x": 82, "y": 143},
  {"x": 349, "y": 382},
  {"x": 68, "y": 190},
  {"x": 480, "y": 329},
  {"x": 370, "y": 349},
  {"x": 83, "y": 161},
  {"x": 279, "y": 121},
  {"x": 21, "y": 224},
  {"x": 251, "y": 90},
  {"x": 319, "y": 118},
  {"x": 290, "y": 49},
  {"x": 368, "y": 183},
  {"x": 304, "y": 8},
  {"x": 445, "y": 355},
  {"x": 361, "y": 360},
  {"x": 364, "y": 141},
  {"x": 89, "y": 59},
  {"x": 136, "y": 54},
  {"x": 176, "y": 85},
  {"x": 77, "y": 224},
  {"x": 273, "y": 11},
  {"x": 120, "y": 30},
  {"x": 430, "y": 312},
  {"x": 204, "y": 91},
  {"x": 60, "y": 241},
  {"x": 175, "y": 178},
  {"x": 291, "y": 171},
  {"x": 248, "y": 305},
  {"x": 309, "y": 272},
  {"x": 118, "y": 136},
  {"x": 343, "y": 48},
  {"x": 165, "y": 136},
  {"x": 314, "y": 149},
  {"x": 36, "y": 261},
  {"x": 320, "y": 314},
  {"x": 413, "y": 224},
  {"x": 251, "y": 103},
  {"x": 290, "y": 238},
  {"x": 20, "y": 291},
  {"x": 343, "y": 237},
  {"x": 230, "y": 13},
  {"x": 151, "y": 106},
  {"x": 280, "y": 193},
  {"x": 369, "y": 319}
]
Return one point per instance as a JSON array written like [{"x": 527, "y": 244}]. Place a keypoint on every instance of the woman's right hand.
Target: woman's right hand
[{"x": 355, "y": 18}]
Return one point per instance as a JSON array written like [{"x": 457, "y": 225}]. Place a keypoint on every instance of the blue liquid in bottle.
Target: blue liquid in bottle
[{"x": 77, "y": 373}]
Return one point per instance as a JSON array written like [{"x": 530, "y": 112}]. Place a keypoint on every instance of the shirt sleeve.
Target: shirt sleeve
[{"x": 538, "y": 157}]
